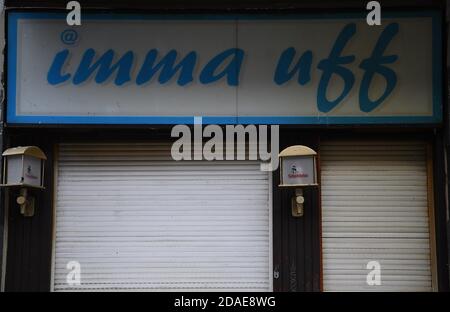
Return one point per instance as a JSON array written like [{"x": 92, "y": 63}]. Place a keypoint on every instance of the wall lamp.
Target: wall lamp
[
  {"x": 23, "y": 168},
  {"x": 298, "y": 169}
]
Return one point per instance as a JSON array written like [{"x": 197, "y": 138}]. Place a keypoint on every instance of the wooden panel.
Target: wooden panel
[
  {"x": 29, "y": 239},
  {"x": 296, "y": 240}
]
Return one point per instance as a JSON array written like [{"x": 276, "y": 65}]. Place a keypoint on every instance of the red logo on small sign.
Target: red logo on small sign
[{"x": 297, "y": 175}]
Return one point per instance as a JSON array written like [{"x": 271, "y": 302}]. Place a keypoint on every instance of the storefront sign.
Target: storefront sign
[{"x": 122, "y": 69}]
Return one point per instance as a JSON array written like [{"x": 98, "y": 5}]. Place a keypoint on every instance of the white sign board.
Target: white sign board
[
  {"x": 262, "y": 69},
  {"x": 298, "y": 171},
  {"x": 23, "y": 169}
]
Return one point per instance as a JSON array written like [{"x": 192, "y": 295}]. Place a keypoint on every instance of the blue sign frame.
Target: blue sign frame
[{"x": 13, "y": 118}]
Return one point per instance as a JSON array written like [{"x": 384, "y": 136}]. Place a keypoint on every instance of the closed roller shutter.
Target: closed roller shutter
[
  {"x": 375, "y": 208},
  {"x": 135, "y": 220}
]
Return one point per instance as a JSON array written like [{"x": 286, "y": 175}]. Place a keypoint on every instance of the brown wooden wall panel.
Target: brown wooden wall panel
[
  {"x": 440, "y": 214},
  {"x": 296, "y": 240},
  {"x": 30, "y": 239}
]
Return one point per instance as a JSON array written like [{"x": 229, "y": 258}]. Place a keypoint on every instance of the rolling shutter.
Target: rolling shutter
[
  {"x": 375, "y": 208},
  {"x": 136, "y": 220}
]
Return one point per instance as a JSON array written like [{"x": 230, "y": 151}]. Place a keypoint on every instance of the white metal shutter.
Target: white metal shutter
[
  {"x": 374, "y": 208},
  {"x": 136, "y": 220}
]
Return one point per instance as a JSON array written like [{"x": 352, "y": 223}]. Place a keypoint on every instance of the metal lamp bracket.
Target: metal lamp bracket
[
  {"x": 298, "y": 203},
  {"x": 26, "y": 203}
]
